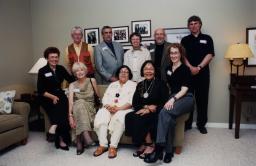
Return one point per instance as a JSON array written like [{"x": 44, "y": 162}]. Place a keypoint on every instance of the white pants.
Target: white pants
[{"x": 105, "y": 121}]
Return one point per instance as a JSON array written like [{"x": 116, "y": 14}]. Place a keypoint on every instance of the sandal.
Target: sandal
[
  {"x": 146, "y": 151},
  {"x": 138, "y": 152}
]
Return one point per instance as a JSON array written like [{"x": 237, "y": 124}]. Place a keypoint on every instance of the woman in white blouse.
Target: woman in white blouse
[
  {"x": 117, "y": 102},
  {"x": 136, "y": 56}
]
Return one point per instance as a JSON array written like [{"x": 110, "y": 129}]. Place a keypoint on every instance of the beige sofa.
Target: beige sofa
[
  {"x": 14, "y": 126},
  {"x": 179, "y": 133}
]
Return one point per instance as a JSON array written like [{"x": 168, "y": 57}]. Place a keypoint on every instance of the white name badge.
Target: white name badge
[
  {"x": 169, "y": 72},
  {"x": 152, "y": 50},
  {"x": 48, "y": 74},
  {"x": 203, "y": 41},
  {"x": 104, "y": 48},
  {"x": 76, "y": 90}
]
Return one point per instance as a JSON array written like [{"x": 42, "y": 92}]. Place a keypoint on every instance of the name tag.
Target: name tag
[
  {"x": 169, "y": 72},
  {"x": 76, "y": 90},
  {"x": 48, "y": 74},
  {"x": 104, "y": 48},
  {"x": 203, "y": 41}
]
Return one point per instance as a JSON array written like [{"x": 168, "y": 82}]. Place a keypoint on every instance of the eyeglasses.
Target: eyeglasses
[{"x": 124, "y": 72}]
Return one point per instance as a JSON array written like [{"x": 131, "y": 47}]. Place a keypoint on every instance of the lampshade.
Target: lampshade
[
  {"x": 41, "y": 62},
  {"x": 242, "y": 51}
]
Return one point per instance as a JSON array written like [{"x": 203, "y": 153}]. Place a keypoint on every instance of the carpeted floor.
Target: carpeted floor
[{"x": 217, "y": 148}]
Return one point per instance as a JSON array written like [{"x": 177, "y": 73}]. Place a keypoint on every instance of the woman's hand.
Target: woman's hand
[
  {"x": 72, "y": 122},
  {"x": 169, "y": 104},
  {"x": 143, "y": 111},
  {"x": 55, "y": 99}
]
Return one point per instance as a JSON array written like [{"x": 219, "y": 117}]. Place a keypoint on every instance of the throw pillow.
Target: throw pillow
[{"x": 6, "y": 101}]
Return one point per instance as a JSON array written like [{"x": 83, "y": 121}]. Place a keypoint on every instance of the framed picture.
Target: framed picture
[
  {"x": 143, "y": 27},
  {"x": 251, "y": 41},
  {"x": 91, "y": 36},
  {"x": 146, "y": 43},
  {"x": 120, "y": 34},
  {"x": 127, "y": 47},
  {"x": 174, "y": 35}
]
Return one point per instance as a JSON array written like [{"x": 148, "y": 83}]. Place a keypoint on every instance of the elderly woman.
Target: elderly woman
[
  {"x": 136, "y": 56},
  {"x": 180, "y": 102},
  {"x": 81, "y": 106},
  {"x": 52, "y": 97},
  {"x": 117, "y": 102},
  {"x": 148, "y": 100}
]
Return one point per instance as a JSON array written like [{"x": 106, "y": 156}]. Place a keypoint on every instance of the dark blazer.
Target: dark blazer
[{"x": 165, "y": 58}]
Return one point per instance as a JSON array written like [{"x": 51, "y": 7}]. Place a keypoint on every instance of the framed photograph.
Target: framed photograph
[
  {"x": 251, "y": 41},
  {"x": 146, "y": 43},
  {"x": 126, "y": 47},
  {"x": 143, "y": 27},
  {"x": 91, "y": 36},
  {"x": 120, "y": 34},
  {"x": 174, "y": 35}
]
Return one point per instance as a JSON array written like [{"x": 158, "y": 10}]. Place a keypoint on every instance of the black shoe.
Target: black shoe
[
  {"x": 153, "y": 157},
  {"x": 187, "y": 128},
  {"x": 57, "y": 145},
  {"x": 137, "y": 153},
  {"x": 50, "y": 137},
  {"x": 64, "y": 148},
  {"x": 202, "y": 130},
  {"x": 168, "y": 157},
  {"x": 79, "y": 151}
]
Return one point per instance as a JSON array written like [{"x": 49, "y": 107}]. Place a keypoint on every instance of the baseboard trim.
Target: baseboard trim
[{"x": 225, "y": 125}]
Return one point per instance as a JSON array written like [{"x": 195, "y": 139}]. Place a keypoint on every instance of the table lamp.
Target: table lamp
[
  {"x": 238, "y": 52},
  {"x": 41, "y": 62}
]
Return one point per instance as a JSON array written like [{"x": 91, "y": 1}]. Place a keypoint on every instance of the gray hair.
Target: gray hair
[
  {"x": 77, "y": 28},
  {"x": 78, "y": 65}
]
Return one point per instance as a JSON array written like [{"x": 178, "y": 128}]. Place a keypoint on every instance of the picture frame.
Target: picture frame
[
  {"x": 120, "y": 34},
  {"x": 251, "y": 41},
  {"x": 147, "y": 43},
  {"x": 174, "y": 35},
  {"x": 143, "y": 27},
  {"x": 127, "y": 47},
  {"x": 92, "y": 36}
]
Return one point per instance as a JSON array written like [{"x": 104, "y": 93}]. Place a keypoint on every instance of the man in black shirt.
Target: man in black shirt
[
  {"x": 158, "y": 52},
  {"x": 200, "y": 51}
]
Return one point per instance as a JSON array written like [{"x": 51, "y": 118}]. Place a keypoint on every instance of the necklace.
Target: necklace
[{"x": 146, "y": 94}]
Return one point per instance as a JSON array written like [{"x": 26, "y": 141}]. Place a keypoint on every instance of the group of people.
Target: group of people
[{"x": 148, "y": 89}]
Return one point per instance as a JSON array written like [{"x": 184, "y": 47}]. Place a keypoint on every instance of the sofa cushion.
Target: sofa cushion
[{"x": 10, "y": 121}]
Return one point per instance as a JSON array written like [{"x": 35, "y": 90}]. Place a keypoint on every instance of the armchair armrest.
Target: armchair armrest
[{"x": 21, "y": 108}]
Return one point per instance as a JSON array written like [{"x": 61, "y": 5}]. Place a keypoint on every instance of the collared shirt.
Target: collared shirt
[
  {"x": 134, "y": 60},
  {"x": 197, "y": 48}
]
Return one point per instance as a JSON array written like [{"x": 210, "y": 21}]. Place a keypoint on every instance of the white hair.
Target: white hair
[{"x": 77, "y": 28}]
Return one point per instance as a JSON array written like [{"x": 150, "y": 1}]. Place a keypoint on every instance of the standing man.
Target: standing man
[
  {"x": 109, "y": 57},
  {"x": 159, "y": 53},
  {"x": 79, "y": 51},
  {"x": 200, "y": 51}
]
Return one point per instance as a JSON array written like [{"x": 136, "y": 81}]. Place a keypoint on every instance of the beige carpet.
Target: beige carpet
[{"x": 217, "y": 148}]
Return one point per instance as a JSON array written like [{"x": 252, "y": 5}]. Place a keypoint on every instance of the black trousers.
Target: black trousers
[
  {"x": 58, "y": 115},
  {"x": 200, "y": 87}
]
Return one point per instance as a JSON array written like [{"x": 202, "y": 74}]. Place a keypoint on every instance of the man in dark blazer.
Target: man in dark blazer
[
  {"x": 108, "y": 57},
  {"x": 159, "y": 53}
]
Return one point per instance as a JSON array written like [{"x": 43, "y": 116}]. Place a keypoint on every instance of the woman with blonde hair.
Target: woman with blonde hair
[{"x": 81, "y": 106}]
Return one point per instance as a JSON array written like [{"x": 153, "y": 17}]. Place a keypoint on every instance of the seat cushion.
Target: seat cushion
[{"x": 10, "y": 121}]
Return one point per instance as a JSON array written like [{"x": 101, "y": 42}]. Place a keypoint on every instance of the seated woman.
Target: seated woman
[
  {"x": 52, "y": 97},
  {"x": 117, "y": 102},
  {"x": 81, "y": 106},
  {"x": 180, "y": 102},
  {"x": 148, "y": 100}
]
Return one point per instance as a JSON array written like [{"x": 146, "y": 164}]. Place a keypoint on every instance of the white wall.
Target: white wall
[
  {"x": 52, "y": 21},
  {"x": 16, "y": 46}
]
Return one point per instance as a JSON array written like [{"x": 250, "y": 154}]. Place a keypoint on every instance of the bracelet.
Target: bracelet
[{"x": 175, "y": 98}]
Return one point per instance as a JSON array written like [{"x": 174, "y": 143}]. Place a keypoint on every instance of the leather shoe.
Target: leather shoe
[
  {"x": 168, "y": 157},
  {"x": 99, "y": 151},
  {"x": 50, "y": 137},
  {"x": 112, "y": 152},
  {"x": 153, "y": 157},
  {"x": 79, "y": 151},
  {"x": 202, "y": 130}
]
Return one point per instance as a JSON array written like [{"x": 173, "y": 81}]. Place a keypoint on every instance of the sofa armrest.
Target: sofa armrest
[{"x": 21, "y": 108}]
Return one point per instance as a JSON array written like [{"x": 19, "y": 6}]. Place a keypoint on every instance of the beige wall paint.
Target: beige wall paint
[{"x": 16, "y": 46}]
